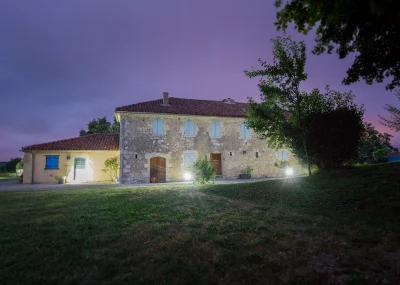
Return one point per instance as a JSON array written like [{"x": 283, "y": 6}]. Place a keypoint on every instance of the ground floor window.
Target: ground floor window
[{"x": 51, "y": 162}]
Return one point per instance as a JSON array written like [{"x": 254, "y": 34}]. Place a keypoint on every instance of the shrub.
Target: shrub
[
  {"x": 248, "y": 170},
  {"x": 111, "y": 165},
  {"x": 203, "y": 170}
]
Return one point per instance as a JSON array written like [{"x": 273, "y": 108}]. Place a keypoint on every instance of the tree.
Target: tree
[
  {"x": 11, "y": 165},
  {"x": 393, "y": 122},
  {"x": 100, "y": 126},
  {"x": 371, "y": 29},
  {"x": 203, "y": 170},
  {"x": 281, "y": 112},
  {"x": 295, "y": 119},
  {"x": 374, "y": 146},
  {"x": 333, "y": 136}
]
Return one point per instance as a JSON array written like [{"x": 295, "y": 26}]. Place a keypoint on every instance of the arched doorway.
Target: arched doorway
[{"x": 157, "y": 170}]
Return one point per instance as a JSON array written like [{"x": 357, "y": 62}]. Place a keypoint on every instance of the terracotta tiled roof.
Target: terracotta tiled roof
[
  {"x": 396, "y": 153},
  {"x": 89, "y": 142},
  {"x": 181, "y": 106}
]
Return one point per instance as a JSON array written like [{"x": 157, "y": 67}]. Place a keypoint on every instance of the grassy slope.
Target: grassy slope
[{"x": 336, "y": 229}]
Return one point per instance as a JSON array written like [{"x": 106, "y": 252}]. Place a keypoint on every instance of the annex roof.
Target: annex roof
[{"x": 104, "y": 142}]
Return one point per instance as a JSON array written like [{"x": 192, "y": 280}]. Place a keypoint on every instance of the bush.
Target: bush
[
  {"x": 248, "y": 170},
  {"x": 203, "y": 170},
  {"x": 111, "y": 166}
]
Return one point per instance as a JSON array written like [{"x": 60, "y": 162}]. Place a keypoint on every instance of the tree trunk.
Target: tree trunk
[{"x": 308, "y": 161}]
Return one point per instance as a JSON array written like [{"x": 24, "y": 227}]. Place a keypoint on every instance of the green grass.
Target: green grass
[
  {"x": 342, "y": 228},
  {"x": 8, "y": 176}
]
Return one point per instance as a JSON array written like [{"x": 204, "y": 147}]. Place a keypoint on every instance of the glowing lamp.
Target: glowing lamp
[
  {"x": 187, "y": 176},
  {"x": 289, "y": 171}
]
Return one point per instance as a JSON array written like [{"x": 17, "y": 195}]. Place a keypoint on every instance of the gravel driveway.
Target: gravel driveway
[{"x": 14, "y": 186}]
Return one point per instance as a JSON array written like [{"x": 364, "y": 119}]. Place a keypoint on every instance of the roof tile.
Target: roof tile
[
  {"x": 181, "y": 106},
  {"x": 88, "y": 142}
]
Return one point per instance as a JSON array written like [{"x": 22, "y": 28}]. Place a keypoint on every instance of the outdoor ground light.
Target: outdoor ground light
[
  {"x": 289, "y": 171},
  {"x": 187, "y": 176}
]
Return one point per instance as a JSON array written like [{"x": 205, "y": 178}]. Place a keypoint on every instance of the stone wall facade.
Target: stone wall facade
[{"x": 138, "y": 145}]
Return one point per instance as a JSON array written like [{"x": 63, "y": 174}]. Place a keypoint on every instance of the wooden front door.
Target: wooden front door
[
  {"x": 157, "y": 170},
  {"x": 216, "y": 162}
]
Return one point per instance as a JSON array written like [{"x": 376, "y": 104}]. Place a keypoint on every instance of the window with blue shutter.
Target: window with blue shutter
[
  {"x": 189, "y": 158},
  {"x": 244, "y": 131},
  {"x": 158, "y": 126},
  {"x": 51, "y": 162},
  {"x": 283, "y": 155},
  {"x": 189, "y": 130},
  {"x": 215, "y": 129}
]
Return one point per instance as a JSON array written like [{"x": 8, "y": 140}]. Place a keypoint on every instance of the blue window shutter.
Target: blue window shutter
[
  {"x": 51, "y": 162},
  {"x": 189, "y": 128},
  {"x": 286, "y": 155},
  {"x": 155, "y": 126},
  {"x": 192, "y": 128},
  {"x": 186, "y": 128},
  {"x": 160, "y": 126},
  {"x": 213, "y": 129},
  {"x": 217, "y": 129}
]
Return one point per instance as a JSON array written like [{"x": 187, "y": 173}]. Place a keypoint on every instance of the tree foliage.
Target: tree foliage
[
  {"x": 281, "y": 111},
  {"x": 11, "y": 165},
  {"x": 100, "y": 126},
  {"x": 333, "y": 136},
  {"x": 203, "y": 170},
  {"x": 111, "y": 165},
  {"x": 374, "y": 146},
  {"x": 298, "y": 120},
  {"x": 393, "y": 122},
  {"x": 371, "y": 29}
]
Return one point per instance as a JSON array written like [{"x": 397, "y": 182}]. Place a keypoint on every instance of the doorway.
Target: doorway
[
  {"x": 79, "y": 169},
  {"x": 157, "y": 170},
  {"x": 216, "y": 162}
]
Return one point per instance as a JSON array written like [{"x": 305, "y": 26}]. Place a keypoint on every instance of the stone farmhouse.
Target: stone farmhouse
[{"x": 158, "y": 142}]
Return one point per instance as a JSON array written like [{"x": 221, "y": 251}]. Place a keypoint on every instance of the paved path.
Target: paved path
[{"x": 14, "y": 186}]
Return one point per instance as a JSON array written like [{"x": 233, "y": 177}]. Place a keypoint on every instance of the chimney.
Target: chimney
[
  {"x": 228, "y": 101},
  {"x": 165, "y": 98}
]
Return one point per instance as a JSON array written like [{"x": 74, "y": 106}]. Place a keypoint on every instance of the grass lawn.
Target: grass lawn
[
  {"x": 8, "y": 176},
  {"x": 342, "y": 228}
]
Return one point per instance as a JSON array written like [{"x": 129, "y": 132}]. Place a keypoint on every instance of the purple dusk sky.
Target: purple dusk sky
[{"x": 63, "y": 63}]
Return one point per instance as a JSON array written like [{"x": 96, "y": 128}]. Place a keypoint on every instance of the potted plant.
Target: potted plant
[
  {"x": 61, "y": 179},
  {"x": 246, "y": 173}
]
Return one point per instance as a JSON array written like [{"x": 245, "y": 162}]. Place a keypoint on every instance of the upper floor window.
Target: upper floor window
[
  {"x": 215, "y": 129},
  {"x": 51, "y": 162},
  {"x": 244, "y": 131},
  {"x": 158, "y": 126},
  {"x": 189, "y": 158},
  {"x": 189, "y": 130},
  {"x": 283, "y": 155}
]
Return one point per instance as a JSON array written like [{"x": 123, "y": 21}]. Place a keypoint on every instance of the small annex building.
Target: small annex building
[{"x": 78, "y": 159}]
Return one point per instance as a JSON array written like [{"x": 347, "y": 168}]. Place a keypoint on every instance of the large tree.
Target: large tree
[
  {"x": 282, "y": 101},
  {"x": 393, "y": 122},
  {"x": 368, "y": 28},
  {"x": 303, "y": 122},
  {"x": 100, "y": 126}
]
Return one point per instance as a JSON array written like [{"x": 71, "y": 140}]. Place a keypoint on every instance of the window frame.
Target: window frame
[
  {"x": 211, "y": 129},
  {"x": 194, "y": 128},
  {"x": 157, "y": 120},
  {"x": 46, "y": 165}
]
